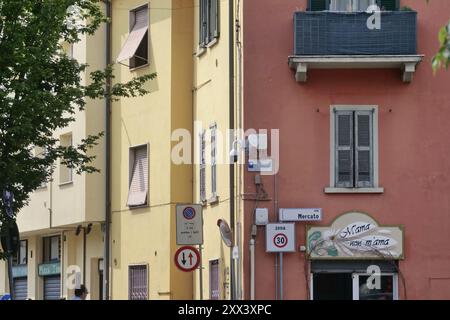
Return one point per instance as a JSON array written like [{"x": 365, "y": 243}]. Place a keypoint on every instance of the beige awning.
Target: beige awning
[{"x": 135, "y": 37}]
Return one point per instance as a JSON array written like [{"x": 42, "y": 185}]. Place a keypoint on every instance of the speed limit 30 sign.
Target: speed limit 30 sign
[{"x": 280, "y": 237}]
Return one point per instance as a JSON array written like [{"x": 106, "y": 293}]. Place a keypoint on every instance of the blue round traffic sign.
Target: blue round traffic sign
[{"x": 189, "y": 213}]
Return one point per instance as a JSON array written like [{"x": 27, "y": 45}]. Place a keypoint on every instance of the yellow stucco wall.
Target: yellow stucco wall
[
  {"x": 211, "y": 105},
  {"x": 146, "y": 235}
]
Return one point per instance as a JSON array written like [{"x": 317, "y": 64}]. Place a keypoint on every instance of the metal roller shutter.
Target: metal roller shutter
[
  {"x": 20, "y": 289},
  {"x": 52, "y": 288}
]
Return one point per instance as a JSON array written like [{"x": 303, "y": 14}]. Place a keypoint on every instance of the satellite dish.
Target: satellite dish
[{"x": 225, "y": 232}]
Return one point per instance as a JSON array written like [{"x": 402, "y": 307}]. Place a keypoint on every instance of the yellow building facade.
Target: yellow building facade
[
  {"x": 187, "y": 44},
  {"x": 146, "y": 185}
]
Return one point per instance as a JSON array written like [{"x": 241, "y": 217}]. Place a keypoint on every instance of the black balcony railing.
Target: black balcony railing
[{"x": 336, "y": 33}]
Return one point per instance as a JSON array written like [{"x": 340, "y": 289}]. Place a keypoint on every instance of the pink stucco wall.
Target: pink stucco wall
[{"x": 414, "y": 145}]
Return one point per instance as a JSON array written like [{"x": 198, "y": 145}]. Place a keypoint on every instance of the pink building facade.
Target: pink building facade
[{"x": 364, "y": 136}]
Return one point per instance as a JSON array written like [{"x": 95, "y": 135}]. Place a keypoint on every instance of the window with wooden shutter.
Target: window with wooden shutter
[
  {"x": 214, "y": 160},
  {"x": 354, "y": 149},
  {"x": 344, "y": 149},
  {"x": 208, "y": 21},
  {"x": 138, "y": 185},
  {"x": 202, "y": 167},
  {"x": 214, "y": 292},
  {"x": 138, "y": 282}
]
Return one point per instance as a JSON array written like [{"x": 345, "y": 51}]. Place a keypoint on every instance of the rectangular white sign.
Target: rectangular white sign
[
  {"x": 280, "y": 237},
  {"x": 189, "y": 224},
  {"x": 301, "y": 215}
]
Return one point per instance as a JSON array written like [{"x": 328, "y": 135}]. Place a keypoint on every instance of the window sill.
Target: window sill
[
  {"x": 212, "y": 43},
  {"x": 140, "y": 67},
  {"x": 138, "y": 207},
  {"x": 332, "y": 190},
  {"x": 200, "y": 52},
  {"x": 68, "y": 183},
  {"x": 213, "y": 200}
]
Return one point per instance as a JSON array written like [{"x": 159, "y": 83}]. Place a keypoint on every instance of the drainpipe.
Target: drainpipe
[
  {"x": 231, "y": 98},
  {"x": 240, "y": 126},
  {"x": 107, "y": 234},
  {"x": 252, "y": 269}
]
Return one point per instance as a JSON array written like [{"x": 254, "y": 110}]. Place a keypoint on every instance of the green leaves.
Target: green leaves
[
  {"x": 41, "y": 90},
  {"x": 441, "y": 59}
]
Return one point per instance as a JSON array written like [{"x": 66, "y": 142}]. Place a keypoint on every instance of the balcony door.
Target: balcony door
[{"x": 351, "y": 5}]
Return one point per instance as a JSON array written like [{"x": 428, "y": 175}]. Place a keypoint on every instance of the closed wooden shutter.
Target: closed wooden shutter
[
  {"x": 138, "y": 282},
  {"x": 137, "y": 195},
  {"x": 214, "y": 19},
  {"x": 213, "y": 160},
  {"x": 318, "y": 5},
  {"x": 363, "y": 152},
  {"x": 203, "y": 22},
  {"x": 202, "y": 167},
  {"x": 344, "y": 149}
]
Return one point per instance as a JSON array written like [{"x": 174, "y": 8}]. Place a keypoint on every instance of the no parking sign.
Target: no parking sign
[{"x": 280, "y": 237}]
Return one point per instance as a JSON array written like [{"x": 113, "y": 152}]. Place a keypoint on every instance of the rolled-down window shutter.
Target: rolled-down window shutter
[
  {"x": 137, "y": 195},
  {"x": 318, "y": 5},
  {"x": 364, "y": 149},
  {"x": 344, "y": 149},
  {"x": 202, "y": 167}
]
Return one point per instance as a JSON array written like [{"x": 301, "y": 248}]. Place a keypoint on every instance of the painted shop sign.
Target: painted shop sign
[
  {"x": 49, "y": 269},
  {"x": 20, "y": 271},
  {"x": 355, "y": 235}
]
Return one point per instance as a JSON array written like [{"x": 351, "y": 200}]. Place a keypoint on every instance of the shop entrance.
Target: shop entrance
[{"x": 338, "y": 280}]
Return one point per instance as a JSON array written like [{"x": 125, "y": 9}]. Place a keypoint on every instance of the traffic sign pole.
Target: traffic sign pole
[{"x": 201, "y": 271}]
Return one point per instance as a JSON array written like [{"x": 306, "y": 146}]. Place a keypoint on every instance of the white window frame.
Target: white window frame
[
  {"x": 332, "y": 188},
  {"x": 355, "y": 284},
  {"x": 131, "y": 151}
]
